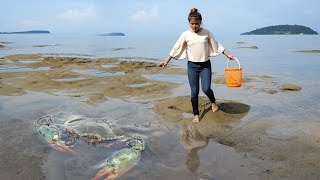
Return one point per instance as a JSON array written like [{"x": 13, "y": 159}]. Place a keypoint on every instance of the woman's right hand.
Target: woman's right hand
[{"x": 163, "y": 63}]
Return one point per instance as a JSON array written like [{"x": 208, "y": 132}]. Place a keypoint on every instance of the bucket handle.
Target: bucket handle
[{"x": 236, "y": 60}]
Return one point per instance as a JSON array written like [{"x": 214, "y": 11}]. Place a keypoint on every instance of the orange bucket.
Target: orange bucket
[{"x": 233, "y": 75}]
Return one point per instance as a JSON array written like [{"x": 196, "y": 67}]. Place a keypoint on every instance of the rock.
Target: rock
[
  {"x": 290, "y": 87},
  {"x": 250, "y": 47},
  {"x": 309, "y": 51},
  {"x": 270, "y": 91}
]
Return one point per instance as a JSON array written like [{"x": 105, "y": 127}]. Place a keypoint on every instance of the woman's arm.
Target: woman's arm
[
  {"x": 165, "y": 62},
  {"x": 231, "y": 57},
  {"x": 178, "y": 51}
]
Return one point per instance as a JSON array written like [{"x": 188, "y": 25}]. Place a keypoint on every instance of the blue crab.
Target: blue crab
[
  {"x": 51, "y": 134},
  {"x": 91, "y": 130},
  {"x": 57, "y": 134},
  {"x": 120, "y": 161}
]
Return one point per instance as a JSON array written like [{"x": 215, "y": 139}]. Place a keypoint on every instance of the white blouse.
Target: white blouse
[{"x": 196, "y": 47}]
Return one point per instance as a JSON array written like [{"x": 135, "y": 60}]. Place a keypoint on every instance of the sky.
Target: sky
[{"x": 154, "y": 16}]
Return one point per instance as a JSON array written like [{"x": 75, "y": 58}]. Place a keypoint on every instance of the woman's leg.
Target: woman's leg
[
  {"x": 193, "y": 76},
  {"x": 206, "y": 77}
]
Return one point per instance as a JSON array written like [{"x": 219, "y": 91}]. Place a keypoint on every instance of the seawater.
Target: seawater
[
  {"x": 274, "y": 57},
  {"x": 295, "y": 112}
]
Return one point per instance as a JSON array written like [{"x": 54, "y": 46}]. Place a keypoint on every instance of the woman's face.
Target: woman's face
[{"x": 195, "y": 25}]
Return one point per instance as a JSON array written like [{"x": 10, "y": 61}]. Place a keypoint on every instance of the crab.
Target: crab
[
  {"x": 93, "y": 130},
  {"x": 52, "y": 134},
  {"x": 62, "y": 135},
  {"x": 120, "y": 161}
]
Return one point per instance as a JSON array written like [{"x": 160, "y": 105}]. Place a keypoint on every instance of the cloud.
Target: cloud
[
  {"x": 143, "y": 16},
  {"x": 75, "y": 15},
  {"x": 31, "y": 23}
]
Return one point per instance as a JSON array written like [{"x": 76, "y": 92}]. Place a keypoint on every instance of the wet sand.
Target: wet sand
[
  {"x": 118, "y": 89},
  {"x": 291, "y": 155}
]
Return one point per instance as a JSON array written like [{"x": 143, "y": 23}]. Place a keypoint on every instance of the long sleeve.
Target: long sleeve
[
  {"x": 215, "y": 48},
  {"x": 179, "y": 50}
]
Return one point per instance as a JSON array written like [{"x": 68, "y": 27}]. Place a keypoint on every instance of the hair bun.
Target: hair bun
[{"x": 194, "y": 10}]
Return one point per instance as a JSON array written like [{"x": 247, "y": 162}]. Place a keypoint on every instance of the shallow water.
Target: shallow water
[
  {"x": 139, "y": 85},
  {"x": 164, "y": 156},
  {"x": 97, "y": 73},
  {"x": 28, "y": 61},
  {"x": 291, "y": 114},
  {"x": 19, "y": 69},
  {"x": 107, "y": 65},
  {"x": 168, "y": 78},
  {"x": 70, "y": 79}
]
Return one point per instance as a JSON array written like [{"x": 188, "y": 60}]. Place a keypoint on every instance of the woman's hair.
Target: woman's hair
[{"x": 194, "y": 14}]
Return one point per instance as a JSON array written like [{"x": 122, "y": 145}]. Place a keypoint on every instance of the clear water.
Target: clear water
[
  {"x": 293, "y": 112},
  {"x": 107, "y": 65},
  {"x": 97, "y": 73},
  {"x": 168, "y": 78},
  {"x": 14, "y": 70},
  {"x": 140, "y": 85},
  {"x": 70, "y": 79}
]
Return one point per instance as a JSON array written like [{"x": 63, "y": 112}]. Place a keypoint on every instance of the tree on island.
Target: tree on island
[{"x": 281, "y": 29}]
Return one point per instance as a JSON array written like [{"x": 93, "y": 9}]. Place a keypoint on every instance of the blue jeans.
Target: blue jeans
[{"x": 197, "y": 71}]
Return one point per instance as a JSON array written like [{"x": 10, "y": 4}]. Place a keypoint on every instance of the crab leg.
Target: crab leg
[
  {"x": 119, "y": 163},
  {"x": 53, "y": 138},
  {"x": 62, "y": 148}
]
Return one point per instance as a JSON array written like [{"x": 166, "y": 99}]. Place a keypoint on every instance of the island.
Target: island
[
  {"x": 112, "y": 34},
  {"x": 281, "y": 30},
  {"x": 28, "y": 32}
]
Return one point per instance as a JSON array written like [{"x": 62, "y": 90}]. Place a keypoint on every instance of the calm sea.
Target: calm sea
[
  {"x": 274, "y": 57},
  {"x": 295, "y": 112}
]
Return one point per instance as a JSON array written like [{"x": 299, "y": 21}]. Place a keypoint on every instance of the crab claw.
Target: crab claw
[
  {"x": 63, "y": 148},
  {"x": 108, "y": 172}
]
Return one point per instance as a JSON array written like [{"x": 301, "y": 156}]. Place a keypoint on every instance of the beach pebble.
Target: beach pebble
[{"x": 290, "y": 87}]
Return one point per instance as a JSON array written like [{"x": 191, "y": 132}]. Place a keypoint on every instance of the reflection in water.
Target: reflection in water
[{"x": 192, "y": 139}]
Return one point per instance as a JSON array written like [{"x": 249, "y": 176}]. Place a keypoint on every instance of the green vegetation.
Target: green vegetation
[{"x": 281, "y": 29}]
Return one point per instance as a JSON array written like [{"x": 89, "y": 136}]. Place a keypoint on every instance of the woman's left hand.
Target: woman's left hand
[
  {"x": 228, "y": 55},
  {"x": 231, "y": 57}
]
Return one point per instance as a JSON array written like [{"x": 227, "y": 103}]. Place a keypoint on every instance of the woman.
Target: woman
[{"x": 196, "y": 45}]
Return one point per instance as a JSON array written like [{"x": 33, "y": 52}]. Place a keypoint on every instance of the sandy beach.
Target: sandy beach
[{"x": 220, "y": 146}]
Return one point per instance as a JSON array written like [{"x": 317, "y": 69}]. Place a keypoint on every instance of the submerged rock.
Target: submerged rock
[
  {"x": 308, "y": 51},
  {"x": 290, "y": 87},
  {"x": 112, "y": 34},
  {"x": 270, "y": 91},
  {"x": 250, "y": 47}
]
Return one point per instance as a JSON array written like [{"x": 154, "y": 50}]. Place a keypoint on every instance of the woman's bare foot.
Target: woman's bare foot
[
  {"x": 214, "y": 107},
  {"x": 196, "y": 118}
]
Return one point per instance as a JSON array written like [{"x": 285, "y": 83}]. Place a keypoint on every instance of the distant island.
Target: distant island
[
  {"x": 28, "y": 32},
  {"x": 281, "y": 30},
  {"x": 112, "y": 34}
]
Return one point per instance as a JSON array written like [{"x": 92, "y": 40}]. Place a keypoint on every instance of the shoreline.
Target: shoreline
[{"x": 96, "y": 81}]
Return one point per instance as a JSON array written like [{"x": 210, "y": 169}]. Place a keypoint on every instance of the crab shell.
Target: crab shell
[{"x": 91, "y": 131}]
